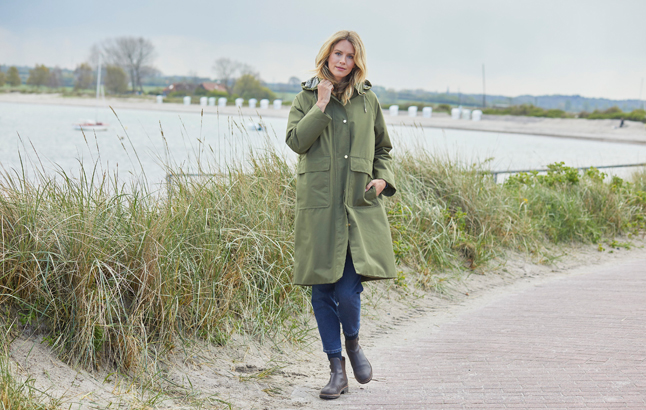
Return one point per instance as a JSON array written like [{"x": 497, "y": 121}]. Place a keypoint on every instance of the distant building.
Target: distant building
[
  {"x": 179, "y": 87},
  {"x": 211, "y": 87}
]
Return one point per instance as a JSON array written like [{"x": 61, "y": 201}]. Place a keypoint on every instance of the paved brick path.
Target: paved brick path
[{"x": 577, "y": 342}]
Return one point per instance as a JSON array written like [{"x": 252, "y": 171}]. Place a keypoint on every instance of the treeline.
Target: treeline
[
  {"x": 235, "y": 80},
  {"x": 83, "y": 77},
  {"x": 124, "y": 61},
  {"x": 568, "y": 103},
  {"x": 11, "y": 77},
  {"x": 614, "y": 113},
  {"x": 127, "y": 65},
  {"x": 529, "y": 110}
]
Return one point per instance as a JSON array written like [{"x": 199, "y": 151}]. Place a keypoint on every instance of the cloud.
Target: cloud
[
  {"x": 587, "y": 47},
  {"x": 51, "y": 50},
  {"x": 275, "y": 61}
]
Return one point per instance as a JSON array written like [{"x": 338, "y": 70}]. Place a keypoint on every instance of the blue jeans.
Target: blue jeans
[{"x": 338, "y": 304}]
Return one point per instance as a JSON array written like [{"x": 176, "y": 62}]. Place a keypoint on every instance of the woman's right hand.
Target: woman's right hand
[{"x": 325, "y": 88}]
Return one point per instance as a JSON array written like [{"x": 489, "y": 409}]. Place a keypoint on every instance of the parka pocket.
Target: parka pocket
[
  {"x": 313, "y": 182},
  {"x": 360, "y": 177}
]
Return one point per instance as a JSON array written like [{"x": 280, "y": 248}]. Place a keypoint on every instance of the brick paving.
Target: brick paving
[{"x": 573, "y": 343}]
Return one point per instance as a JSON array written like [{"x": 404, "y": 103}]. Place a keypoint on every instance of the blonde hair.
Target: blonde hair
[{"x": 356, "y": 77}]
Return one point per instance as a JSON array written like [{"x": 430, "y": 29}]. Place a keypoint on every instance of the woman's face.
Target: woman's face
[{"x": 341, "y": 60}]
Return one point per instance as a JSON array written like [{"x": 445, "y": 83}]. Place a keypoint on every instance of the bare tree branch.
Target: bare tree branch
[
  {"x": 134, "y": 55},
  {"x": 225, "y": 70}
]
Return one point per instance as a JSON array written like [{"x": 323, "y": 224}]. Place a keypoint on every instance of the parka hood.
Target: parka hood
[{"x": 313, "y": 83}]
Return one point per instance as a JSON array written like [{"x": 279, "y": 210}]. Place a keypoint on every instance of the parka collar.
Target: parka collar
[{"x": 313, "y": 83}]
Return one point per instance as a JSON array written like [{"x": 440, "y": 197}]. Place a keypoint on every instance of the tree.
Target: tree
[
  {"x": 96, "y": 55},
  {"x": 247, "y": 69},
  {"x": 3, "y": 79},
  {"x": 134, "y": 55},
  {"x": 249, "y": 86},
  {"x": 226, "y": 69},
  {"x": 38, "y": 76},
  {"x": 116, "y": 80},
  {"x": 13, "y": 78},
  {"x": 55, "y": 78},
  {"x": 83, "y": 77}
]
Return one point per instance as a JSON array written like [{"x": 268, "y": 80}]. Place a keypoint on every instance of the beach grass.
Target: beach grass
[{"x": 116, "y": 275}]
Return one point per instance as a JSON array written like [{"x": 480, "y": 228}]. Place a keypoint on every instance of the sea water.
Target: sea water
[{"x": 150, "y": 143}]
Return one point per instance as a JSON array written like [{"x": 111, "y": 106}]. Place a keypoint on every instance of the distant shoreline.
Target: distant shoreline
[{"x": 581, "y": 129}]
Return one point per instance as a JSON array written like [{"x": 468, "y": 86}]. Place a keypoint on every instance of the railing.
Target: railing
[
  {"x": 495, "y": 173},
  {"x": 169, "y": 177}
]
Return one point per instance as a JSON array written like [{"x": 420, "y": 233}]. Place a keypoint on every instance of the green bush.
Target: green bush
[
  {"x": 215, "y": 93},
  {"x": 116, "y": 80},
  {"x": 248, "y": 86},
  {"x": 13, "y": 77},
  {"x": 527, "y": 110},
  {"x": 614, "y": 113},
  {"x": 444, "y": 107},
  {"x": 38, "y": 76}
]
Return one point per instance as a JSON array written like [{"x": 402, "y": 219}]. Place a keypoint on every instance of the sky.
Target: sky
[{"x": 587, "y": 47}]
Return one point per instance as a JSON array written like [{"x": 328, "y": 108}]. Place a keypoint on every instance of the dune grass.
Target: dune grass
[{"x": 115, "y": 275}]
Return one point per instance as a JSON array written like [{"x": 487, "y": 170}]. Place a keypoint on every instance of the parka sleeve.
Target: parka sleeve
[
  {"x": 303, "y": 128},
  {"x": 383, "y": 162}
]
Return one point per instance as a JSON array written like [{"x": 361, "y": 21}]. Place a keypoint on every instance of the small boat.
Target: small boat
[
  {"x": 94, "y": 125},
  {"x": 91, "y": 125}
]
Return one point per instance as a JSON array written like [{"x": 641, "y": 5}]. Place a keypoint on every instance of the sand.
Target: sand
[
  {"x": 280, "y": 375},
  {"x": 595, "y": 130}
]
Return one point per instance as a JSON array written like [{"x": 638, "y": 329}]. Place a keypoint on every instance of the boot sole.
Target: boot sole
[
  {"x": 366, "y": 380},
  {"x": 334, "y": 396}
]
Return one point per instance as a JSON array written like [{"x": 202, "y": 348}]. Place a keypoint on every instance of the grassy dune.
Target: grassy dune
[{"x": 115, "y": 275}]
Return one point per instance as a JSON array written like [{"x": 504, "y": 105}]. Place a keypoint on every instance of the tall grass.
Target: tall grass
[{"x": 115, "y": 275}]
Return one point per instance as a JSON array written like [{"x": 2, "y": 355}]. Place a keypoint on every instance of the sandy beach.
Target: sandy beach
[{"x": 594, "y": 130}]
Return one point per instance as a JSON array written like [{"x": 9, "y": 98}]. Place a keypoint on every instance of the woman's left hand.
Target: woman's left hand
[{"x": 379, "y": 185}]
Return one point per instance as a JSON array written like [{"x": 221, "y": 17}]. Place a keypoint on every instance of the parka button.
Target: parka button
[
  {"x": 344, "y": 121},
  {"x": 345, "y": 156}
]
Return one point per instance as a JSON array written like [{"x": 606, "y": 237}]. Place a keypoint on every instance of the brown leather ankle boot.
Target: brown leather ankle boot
[
  {"x": 338, "y": 383},
  {"x": 360, "y": 365}
]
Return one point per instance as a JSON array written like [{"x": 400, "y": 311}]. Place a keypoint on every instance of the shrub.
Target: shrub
[
  {"x": 83, "y": 77},
  {"x": 116, "y": 80},
  {"x": 444, "y": 107},
  {"x": 614, "y": 113},
  {"x": 13, "y": 77},
  {"x": 248, "y": 86},
  {"x": 215, "y": 93},
  {"x": 38, "y": 76}
]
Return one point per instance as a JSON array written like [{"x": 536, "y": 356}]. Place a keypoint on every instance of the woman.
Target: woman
[{"x": 342, "y": 236}]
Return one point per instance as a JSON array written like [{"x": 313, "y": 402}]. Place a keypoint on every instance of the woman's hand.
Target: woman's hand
[
  {"x": 379, "y": 185},
  {"x": 325, "y": 88}
]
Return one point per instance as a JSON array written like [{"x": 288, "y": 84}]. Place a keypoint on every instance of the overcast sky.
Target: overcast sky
[{"x": 588, "y": 47}]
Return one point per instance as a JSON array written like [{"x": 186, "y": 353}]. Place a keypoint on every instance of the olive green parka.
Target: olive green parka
[{"x": 340, "y": 151}]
